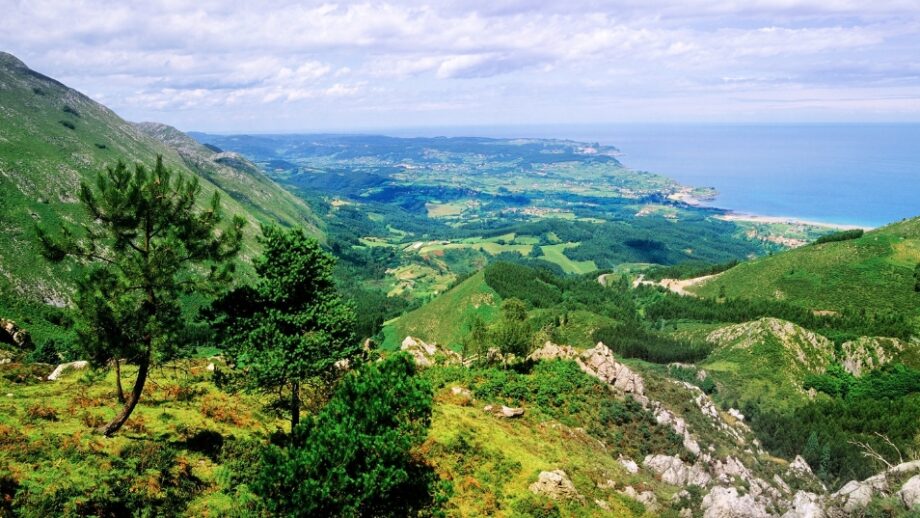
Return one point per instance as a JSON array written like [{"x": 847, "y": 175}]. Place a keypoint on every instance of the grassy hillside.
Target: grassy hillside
[
  {"x": 444, "y": 319},
  {"x": 53, "y": 137},
  {"x": 244, "y": 181},
  {"x": 871, "y": 272},
  {"x": 766, "y": 361}
]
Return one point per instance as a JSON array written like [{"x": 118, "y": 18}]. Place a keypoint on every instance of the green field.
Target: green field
[{"x": 555, "y": 254}]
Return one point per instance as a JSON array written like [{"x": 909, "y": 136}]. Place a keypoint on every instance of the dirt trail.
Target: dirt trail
[{"x": 678, "y": 286}]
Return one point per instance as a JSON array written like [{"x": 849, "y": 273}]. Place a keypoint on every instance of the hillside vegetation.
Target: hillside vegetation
[{"x": 873, "y": 272}]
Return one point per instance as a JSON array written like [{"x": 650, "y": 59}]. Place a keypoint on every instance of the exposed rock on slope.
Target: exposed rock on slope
[
  {"x": 766, "y": 360},
  {"x": 556, "y": 485},
  {"x": 868, "y": 353},
  {"x": 803, "y": 349},
  {"x": 426, "y": 355}
]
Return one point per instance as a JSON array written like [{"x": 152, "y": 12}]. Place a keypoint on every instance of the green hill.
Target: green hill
[
  {"x": 874, "y": 271},
  {"x": 444, "y": 319},
  {"x": 766, "y": 360},
  {"x": 53, "y": 137}
]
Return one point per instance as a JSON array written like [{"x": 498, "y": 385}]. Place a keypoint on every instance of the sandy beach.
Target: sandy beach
[{"x": 755, "y": 218}]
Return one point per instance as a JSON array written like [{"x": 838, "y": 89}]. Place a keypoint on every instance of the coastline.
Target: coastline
[
  {"x": 790, "y": 220},
  {"x": 687, "y": 196}
]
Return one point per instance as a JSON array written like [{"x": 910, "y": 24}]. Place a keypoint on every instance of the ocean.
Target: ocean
[{"x": 851, "y": 174}]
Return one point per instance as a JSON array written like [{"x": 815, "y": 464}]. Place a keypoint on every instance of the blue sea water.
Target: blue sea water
[{"x": 856, "y": 174}]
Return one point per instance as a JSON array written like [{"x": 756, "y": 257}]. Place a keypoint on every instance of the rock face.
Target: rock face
[
  {"x": 868, "y": 353},
  {"x": 855, "y": 495},
  {"x": 426, "y": 355},
  {"x": 674, "y": 471},
  {"x": 910, "y": 493},
  {"x": 555, "y": 485},
  {"x": 725, "y": 502},
  {"x": 629, "y": 464},
  {"x": 600, "y": 363},
  {"x": 805, "y": 505},
  {"x": 551, "y": 351},
  {"x": 11, "y": 333},
  {"x": 64, "y": 367}
]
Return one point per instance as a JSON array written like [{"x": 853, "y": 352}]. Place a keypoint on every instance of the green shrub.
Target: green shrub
[
  {"x": 844, "y": 235},
  {"x": 355, "y": 456}
]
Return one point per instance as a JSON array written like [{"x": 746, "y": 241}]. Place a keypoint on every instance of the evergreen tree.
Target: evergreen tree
[
  {"x": 511, "y": 333},
  {"x": 149, "y": 245},
  {"x": 292, "y": 327},
  {"x": 354, "y": 457}
]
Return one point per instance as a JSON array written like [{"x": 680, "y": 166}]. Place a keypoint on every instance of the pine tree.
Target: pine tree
[
  {"x": 292, "y": 327},
  {"x": 148, "y": 246}
]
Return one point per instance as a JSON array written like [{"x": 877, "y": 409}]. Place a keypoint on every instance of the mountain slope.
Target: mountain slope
[
  {"x": 871, "y": 272},
  {"x": 238, "y": 177},
  {"x": 53, "y": 137},
  {"x": 444, "y": 320},
  {"x": 766, "y": 360}
]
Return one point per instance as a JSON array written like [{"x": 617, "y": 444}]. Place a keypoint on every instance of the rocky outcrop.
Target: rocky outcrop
[
  {"x": 551, "y": 351},
  {"x": 806, "y": 351},
  {"x": 910, "y": 493},
  {"x": 674, "y": 471},
  {"x": 504, "y": 411},
  {"x": 13, "y": 334},
  {"x": 600, "y": 363},
  {"x": 646, "y": 498},
  {"x": 426, "y": 355},
  {"x": 868, "y": 353},
  {"x": 805, "y": 505},
  {"x": 555, "y": 485},
  {"x": 855, "y": 495},
  {"x": 64, "y": 367},
  {"x": 629, "y": 465},
  {"x": 726, "y": 502}
]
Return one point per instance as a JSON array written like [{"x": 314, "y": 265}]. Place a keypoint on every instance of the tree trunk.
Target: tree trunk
[
  {"x": 122, "y": 417},
  {"x": 120, "y": 391},
  {"x": 295, "y": 405}
]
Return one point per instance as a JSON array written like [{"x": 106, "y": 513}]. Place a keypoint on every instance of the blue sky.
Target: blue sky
[{"x": 233, "y": 66}]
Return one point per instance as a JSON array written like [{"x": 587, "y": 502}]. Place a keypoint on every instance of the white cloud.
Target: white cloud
[{"x": 181, "y": 61}]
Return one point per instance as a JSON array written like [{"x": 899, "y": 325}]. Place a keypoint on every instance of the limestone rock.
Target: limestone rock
[
  {"x": 555, "y": 485},
  {"x": 673, "y": 471},
  {"x": 647, "y": 498},
  {"x": 551, "y": 351},
  {"x": 60, "y": 369},
  {"x": 505, "y": 411},
  {"x": 868, "y": 353},
  {"x": 854, "y": 496},
  {"x": 600, "y": 363},
  {"x": 460, "y": 391},
  {"x": 426, "y": 355},
  {"x": 805, "y": 505},
  {"x": 725, "y": 502},
  {"x": 910, "y": 493},
  {"x": 629, "y": 464}
]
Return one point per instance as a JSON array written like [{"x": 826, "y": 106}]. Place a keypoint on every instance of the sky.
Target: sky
[{"x": 282, "y": 66}]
